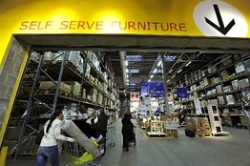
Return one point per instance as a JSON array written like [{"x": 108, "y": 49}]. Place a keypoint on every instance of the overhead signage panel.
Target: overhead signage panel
[
  {"x": 152, "y": 89},
  {"x": 192, "y": 18},
  {"x": 182, "y": 93},
  {"x": 161, "y": 17}
]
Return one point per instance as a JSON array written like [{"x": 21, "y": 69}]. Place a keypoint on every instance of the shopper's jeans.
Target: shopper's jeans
[{"x": 47, "y": 153}]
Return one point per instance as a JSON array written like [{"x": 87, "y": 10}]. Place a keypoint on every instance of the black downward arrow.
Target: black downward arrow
[{"x": 221, "y": 28}]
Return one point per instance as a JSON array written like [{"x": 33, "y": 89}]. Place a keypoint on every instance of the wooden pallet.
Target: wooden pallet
[{"x": 204, "y": 135}]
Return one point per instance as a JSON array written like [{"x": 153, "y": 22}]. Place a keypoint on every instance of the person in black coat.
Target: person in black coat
[
  {"x": 101, "y": 125},
  {"x": 127, "y": 129}
]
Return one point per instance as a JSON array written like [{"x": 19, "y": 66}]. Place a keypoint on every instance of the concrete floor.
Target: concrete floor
[{"x": 233, "y": 150}]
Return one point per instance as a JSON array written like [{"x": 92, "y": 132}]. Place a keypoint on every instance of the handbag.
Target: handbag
[{"x": 39, "y": 137}]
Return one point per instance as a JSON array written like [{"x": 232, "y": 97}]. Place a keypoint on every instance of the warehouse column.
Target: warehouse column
[{"x": 167, "y": 111}]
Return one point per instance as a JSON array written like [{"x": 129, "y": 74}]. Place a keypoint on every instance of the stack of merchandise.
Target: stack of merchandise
[
  {"x": 190, "y": 126},
  {"x": 203, "y": 127},
  {"x": 190, "y": 123},
  {"x": 170, "y": 128}
]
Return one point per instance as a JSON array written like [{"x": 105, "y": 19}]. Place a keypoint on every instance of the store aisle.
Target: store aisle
[{"x": 181, "y": 151}]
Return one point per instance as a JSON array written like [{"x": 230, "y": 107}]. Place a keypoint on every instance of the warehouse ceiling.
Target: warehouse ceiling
[{"x": 143, "y": 53}]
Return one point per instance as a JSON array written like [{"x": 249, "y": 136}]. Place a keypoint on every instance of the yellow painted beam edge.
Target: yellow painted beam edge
[
  {"x": 3, "y": 154},
  {"x": 12, "y": 99}
]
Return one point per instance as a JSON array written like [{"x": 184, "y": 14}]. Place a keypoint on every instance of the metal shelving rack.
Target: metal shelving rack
[
  {"x": 32, "y": 98},
  {"x": 55, "y": 72}
]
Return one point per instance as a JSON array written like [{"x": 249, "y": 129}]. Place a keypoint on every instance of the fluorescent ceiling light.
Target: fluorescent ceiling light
[
  {"x": 151, "y": 76},
  {"x": 127, "y": 70},
  {"x": 126, "y": 63},
  {"x": 159, "y": 63},
  {"x": 188, "y": 63},
  {"x": 179, "y": 71},
  {"x": 127, "y": 75},
  {"x": 134, "y": 58},
  {"x": 168, "y": 80},
  {"x": 159, "y": 71},
  {"x": 154, "y": 70},
  {"x": 169, "y": 58},
  {"x": 134, "y": 71},
  {"x": 173, "y": 76},
  {"x": 149, "y": 80}
]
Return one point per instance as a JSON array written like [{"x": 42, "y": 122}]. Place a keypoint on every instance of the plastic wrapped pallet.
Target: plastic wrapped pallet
[{"x": 71, "y": 129}]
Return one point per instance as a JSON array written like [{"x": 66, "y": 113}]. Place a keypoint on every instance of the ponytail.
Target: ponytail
[{"x": 52, "y": 118}]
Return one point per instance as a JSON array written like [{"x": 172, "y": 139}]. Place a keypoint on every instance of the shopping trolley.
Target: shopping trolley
[
  {"x": 132, "y": 137},
  {"x": 109, "y": 142},
  {"x": 78, "y": 156}
]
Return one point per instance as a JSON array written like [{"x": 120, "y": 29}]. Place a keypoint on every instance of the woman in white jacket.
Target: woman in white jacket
[{"x": 48, "y": 149}]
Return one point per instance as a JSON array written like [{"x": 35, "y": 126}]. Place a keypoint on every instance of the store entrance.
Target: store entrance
[{"x": 88, "y": 73}]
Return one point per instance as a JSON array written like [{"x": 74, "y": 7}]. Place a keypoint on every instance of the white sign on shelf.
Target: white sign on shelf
[{"x": 197, "y": 105}]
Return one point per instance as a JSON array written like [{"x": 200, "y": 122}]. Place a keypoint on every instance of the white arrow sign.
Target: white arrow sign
[{"x": 217, "y": 18}]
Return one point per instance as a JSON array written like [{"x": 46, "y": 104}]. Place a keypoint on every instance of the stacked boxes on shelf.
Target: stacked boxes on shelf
[
  {"x": 203, "y": 127},
  {"x": 73, "y": 57},
  {"x": 87, "y": 70},
  {"x": 50, "y": 85},
  {"x": 92, "y": 95},
  {"x": 75, "y": 88}
]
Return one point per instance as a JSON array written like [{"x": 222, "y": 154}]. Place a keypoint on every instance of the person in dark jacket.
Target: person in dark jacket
[
  {"x": 127, "y": 129},
  {"x": 101, "y": 125}
]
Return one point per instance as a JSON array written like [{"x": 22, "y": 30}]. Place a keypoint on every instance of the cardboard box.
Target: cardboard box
[
  {"x": 247, "y": 64},
  {"x": 221, "y": 100},
  {"x": 244, "y": 83},
  {"x": 47, "y": 85},
  {"x": 235, "y": 84},
  {"x": 171, "y": 133},
  {"x": 230, "y": 99},
  {"x": 13, "y": 133},
  {"x": 227, "y": 89},
  {"x": 75, "y": 87},
  {"x": 224, "y": 75},
  {"x": 84, "y": 93},
  {"x": 87, "y": 70},
  {"x": 240, "y": 67}
]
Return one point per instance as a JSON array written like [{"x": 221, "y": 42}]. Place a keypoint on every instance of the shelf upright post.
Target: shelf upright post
[
  {"x": 165, "y": 84},
  {"x": 59, "y": 82},
  {"x": 83, "y": 55},
  {"x": 29, "y": 106}
]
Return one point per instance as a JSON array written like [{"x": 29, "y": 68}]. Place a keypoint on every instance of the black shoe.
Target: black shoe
[{"x": 127, "y": 149}]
